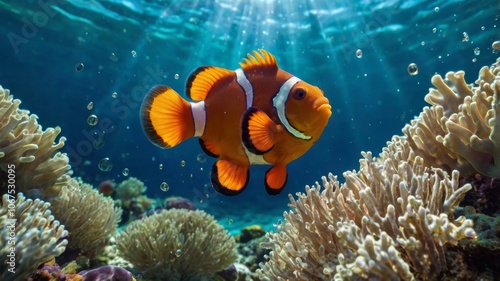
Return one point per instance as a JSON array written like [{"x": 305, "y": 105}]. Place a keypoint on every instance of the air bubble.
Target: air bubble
[
  {"x": 465, "y": 37},
  {"x": 176, "y": 76},
  {"x": 178, "y": 253},
  {"x": 90, "y": 105},
  {"x": 164, "y": 187},
  {"x": 412, "y": 69},
  {"x": 113, "y": 57},
  {"x": 436, "y": 9},
  {"x": 160, "y": 166},
  {"x": 79, "y": 67},
  {"x": 105, "y": 164},
  {"x": 134, "y": 53},
  {"x": 201, "y": 158},
  {"x": 92, "y": 120},
  {"x": 183, "y": 163},
  {"x": 114, "y": 95},
  {"x": 125, "y": 172},
  {"x": 477, "y": 51},
  {"x": 359, "y": 53}
]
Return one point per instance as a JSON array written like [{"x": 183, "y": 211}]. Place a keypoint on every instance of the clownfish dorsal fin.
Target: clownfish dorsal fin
[
  {"x": 258, "y": 131},
  {"x": 202, "y": 79},
  {"x": 259, "y": 59},
  {"x": 228, "y": 177},
  {"x": 276, "y": 178}
]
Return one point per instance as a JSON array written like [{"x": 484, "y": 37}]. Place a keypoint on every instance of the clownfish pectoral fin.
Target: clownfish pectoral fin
[
  {"x": 260, "y": 59},
  {"x": 202, "y": 79},
  {"x": 166, "y": 117},
  {"x": 276, "y": 178},
  {"x": 229, "y": 178},
  {"x": 258, "y": 131},
  {"x": 209, "y": 148}
]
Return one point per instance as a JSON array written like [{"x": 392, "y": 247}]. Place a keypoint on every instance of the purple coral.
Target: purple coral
[
  {"x": 229, "y": 274},
  {"x": 106, "y": 273},
  {"x": 49, "y": 271},
  {"x": 179, "y": 203}
]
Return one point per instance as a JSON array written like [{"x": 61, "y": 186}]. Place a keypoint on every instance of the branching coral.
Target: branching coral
[
  {"x": 177, "y": 244},
  {"x": 90, "y": 218},
  {"x": 461, "y": 128},
  {"x": 391, "y": 220},
  {"x": 41, "y": 170},
  {"x": 30, "y": 236},
  {"x": 388, "y": 221}
]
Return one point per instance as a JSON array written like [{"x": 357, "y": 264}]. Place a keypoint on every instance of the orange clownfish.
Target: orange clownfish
[{"x": 257, "y": 114}]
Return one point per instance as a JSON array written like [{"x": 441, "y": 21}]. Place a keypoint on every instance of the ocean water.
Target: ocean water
[{"x": 58, "y": 56}]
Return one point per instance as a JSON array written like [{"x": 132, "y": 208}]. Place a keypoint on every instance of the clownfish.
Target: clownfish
[{"x": 256, "y": 114}]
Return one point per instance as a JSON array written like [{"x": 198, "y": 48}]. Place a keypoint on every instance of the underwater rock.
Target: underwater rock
[
  {"x": 179, "y": 203},
  {"x": 251, "y": 232},
  {"x": 485, "y": 194},
  {"x": 251, "y": 254},
  {"x": 228, "y": 274}
]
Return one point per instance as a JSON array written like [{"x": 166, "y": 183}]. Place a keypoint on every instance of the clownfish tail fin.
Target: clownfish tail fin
[{"x": 167, "y": 119}]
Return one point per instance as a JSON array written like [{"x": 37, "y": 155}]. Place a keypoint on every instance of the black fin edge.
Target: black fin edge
[
  {"x": 245, "y": 133},
  {"x": 272, "y": 191},
  {"x": 192, "y": 77},
  {"x": 214, "y": 178},
  {"x": 147, "y": 126},
  {"x": 204, "y": 148}
]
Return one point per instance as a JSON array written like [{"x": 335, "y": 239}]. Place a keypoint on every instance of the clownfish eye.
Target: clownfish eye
[{"x": 299, "y": 94}]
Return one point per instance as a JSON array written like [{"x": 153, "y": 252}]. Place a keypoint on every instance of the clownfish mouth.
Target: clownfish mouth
[{"x": 325, "y": 108}]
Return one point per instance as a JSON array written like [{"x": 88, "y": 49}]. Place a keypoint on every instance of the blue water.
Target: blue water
[{"x": 128, "y": 46}]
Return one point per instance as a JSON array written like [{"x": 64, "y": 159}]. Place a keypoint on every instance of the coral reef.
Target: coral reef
[
  {"x": 41, "y": 170},
  {"x": 30, "y": 236},
  {"x": 392, "y": 219},
  {"x": 461, "y": 128},
  {"x": 90, "y": 218},
  {"x": 129, "y": 189},
  {"x": 177, "y": 244},
  {"x": 388, "y": 221},
  {"x": 51, "y": 272},
  {"x": 128, "y": 195}
]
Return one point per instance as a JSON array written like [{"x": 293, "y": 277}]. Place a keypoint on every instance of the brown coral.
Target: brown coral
[
  {"x": 177, "y": 244},
  {"x": 41, "y": 170},
  {"x": 388, "y": 221},
  {"x": 90, "y": 218},
  {"x": 461, "y": 128},
  {"x": 35, "y": 236}
]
